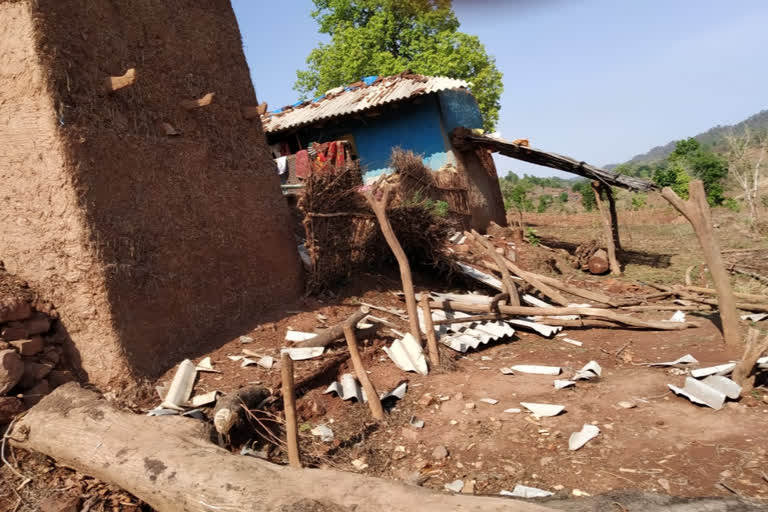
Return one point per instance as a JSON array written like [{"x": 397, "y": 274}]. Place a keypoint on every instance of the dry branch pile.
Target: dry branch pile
[
  {"x": 341, "y": 230},
  {"x": 31, "y": 352}
]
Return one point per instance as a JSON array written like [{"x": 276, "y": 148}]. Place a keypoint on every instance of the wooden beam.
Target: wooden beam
[
  {"x": 509, "y": 287},
  {"x": 429, "y": 327},
  {"x": 289, "y": 406},
  {"x": 696, "y": 210},
  {"x": 610, "y": 246}
]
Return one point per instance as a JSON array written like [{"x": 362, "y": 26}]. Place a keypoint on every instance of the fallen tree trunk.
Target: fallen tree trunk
[
  {"x": 604, "y": 314},
  {"x": 336, "y": 332},
  {"x": 166, "y": 462}
]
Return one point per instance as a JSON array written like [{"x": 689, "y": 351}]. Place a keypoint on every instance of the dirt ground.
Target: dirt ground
[{"x": 662, "y": 445}]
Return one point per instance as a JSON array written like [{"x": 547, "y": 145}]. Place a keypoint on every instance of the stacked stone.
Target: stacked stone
[{"x": 31, "y": 353}]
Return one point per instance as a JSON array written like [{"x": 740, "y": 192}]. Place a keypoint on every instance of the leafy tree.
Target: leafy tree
[
  {"x": 385, "y": 37},
  {"x": 702, "y": 163},
  {"x": 563, "y": 197},
  {"x": 673, "y": 176},
  {"x": 587, "y": 194},
  {"x": 545, "y": 201},
  {"x": 639, "y": 201}
]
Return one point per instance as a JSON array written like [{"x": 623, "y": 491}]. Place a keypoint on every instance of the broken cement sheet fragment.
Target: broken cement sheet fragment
[
  {"x": 533, "y": 301},
  {"x": 538, "y": 370},
  {"x": 159, "y": 411},
  {"x": 236, "y": 358},
  {"x": 455, "y": 486},
  {"x": 523, "y": 491},
  {"x": 579, "y": 439},
  {"x": 678, "y": 317},
  {"x": 264, "y": 361},
  {"x": 491, "y": 401},
  {"x": 763, "y": 362},
  {"x": 590, "y": 370},
  {"x": 545, "y": 330},
  {"x": 457, "y": 238},
  {"x": 302, "y": 353},
  {"x": 686, "y": 359},
  {"x": 205, "y": 365},
  {"x": 347, "y": 388},
  {"x": 416, "y": 423},
  {"x": 246, "y": 339},
  {"x": 543, "y": 410},
  {"x": 708, "y": 392},
  {"x": 506, "y": 371},
  {"x": 755, "y": 317},
  {"x": 398, "y": 392},
  {"x": 561, "y": 384},
  {"x": 181, "y": 386},
  {"x": 408, "y": 355},
  {"x": 720, "y": 369},
  {"x": 480, "y": 276},
  {"x": 513, "y": 410},
  {"x": 295, "y": 336},
  {"x": 324, "y": 432},
  {"x": 204, "y": 399},
  {"x": 573, "y": 342}
]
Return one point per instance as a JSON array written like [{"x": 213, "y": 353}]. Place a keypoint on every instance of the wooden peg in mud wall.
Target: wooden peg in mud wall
[
  {"x": 113, "y": 83},
  {"x": 252, "y": 112},
  {"x": 202, "y": 102}
]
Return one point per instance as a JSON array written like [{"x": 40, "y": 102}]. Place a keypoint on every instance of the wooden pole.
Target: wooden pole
[
  {"x": 357, "y": 362},
  {"x": 597, "y": 187},
  {"x": 605, "y": 314},
  {"x": 696, "y": 210},
  {"x": 614, "y": 217},
  {"x": 429, "y": 327},
  {"x": 506, "y": 279},
  {"x": 289, "y": 406},
  {"x": 742, "y": 374},
  {"x": 379, "y": 207}
]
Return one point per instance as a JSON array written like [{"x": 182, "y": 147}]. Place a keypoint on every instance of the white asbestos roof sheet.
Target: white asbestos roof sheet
[
  {"x": 349, "y": 100},
  {"x": 466, "y": 335}
]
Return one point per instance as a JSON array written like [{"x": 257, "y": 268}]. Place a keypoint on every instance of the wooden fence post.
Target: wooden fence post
[
  {"x": 289, "y": 406},
  {"x": 357, "y": 362},
  {"x": 608, "y": 235}
]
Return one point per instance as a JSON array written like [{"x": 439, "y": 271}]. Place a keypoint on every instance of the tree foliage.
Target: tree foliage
[
  {"x": 386, "y": 37},
  {"x": 584, "y": 188}
]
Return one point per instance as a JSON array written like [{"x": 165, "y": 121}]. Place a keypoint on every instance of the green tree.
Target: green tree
[
  {"x": 563, "y": 198},
  {"x": 545, "y": 201},
  {"x": 702, "y": 163},
  {"x": 385, "y": 37},
  {"x": 673, "y": 176},
  {"x": 587, "y": 194}
]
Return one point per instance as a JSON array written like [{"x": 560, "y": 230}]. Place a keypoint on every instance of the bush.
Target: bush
[
  {"x": 545, "y": 201},
  {"x": 639, "y": 201},
  {"x": 732, "y": 204}
]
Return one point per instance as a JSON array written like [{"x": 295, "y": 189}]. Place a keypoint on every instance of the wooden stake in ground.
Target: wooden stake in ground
[
  {"x": 357, "y": 362},
  {"x": 506, "y": 279},
  {"x": 379, "y": 207},
  {"x": 696, "y": 210},
  {"x": 742, "y": 374},
  {"x": 167, "y": 462},
  {"x": 429, "y": 327},
  {"x": 289, "y": 406},
  {"x": 608, "y": 232}
]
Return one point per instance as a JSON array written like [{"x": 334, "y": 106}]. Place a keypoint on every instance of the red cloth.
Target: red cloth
[{"x": 303, "y": 166}]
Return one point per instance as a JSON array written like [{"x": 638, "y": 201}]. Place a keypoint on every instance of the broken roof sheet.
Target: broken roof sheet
[{"x": 357, "y": 97}]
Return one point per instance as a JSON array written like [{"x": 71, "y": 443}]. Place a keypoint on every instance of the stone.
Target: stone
[
  {"x": 14, "y": 309},
  {"x": 440, "y": 453},
  {"x": 35, "y": 394},
  {"x": 426, "y": 400},
  {"x": 10, "y": 406},
  {"x": 38, "y": 324},
  {"x": 409, "y": 434},
  {"x": 60, "y": 503},
  {"x": 29, "y": 347},
  {"x": 34, "y": 372},
  {"x": 469, "y": 405},
  {"x": 53, "y": 355},
  {"x": 11, "y": 370},
  {"x": 13, "y": 332}
]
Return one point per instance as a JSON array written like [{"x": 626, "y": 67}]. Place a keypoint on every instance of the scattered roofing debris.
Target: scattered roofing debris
[
  {"x": 591, "y": 370},
  {"x": 684, "y": 360},
  {"x": 408, "y": 355},
  {"x": 324, "y": 432},
  {"x": 562, "y": 384},
  {"x": 302, "y": 353},
  {"x": 205, "y": 365},
  {"x": 348, "y": 388},
  {"x": 181, "y": 386},
  {"x": 538, "y": 370},
  {"x": 543, "y": 410},
  {"x": 579, "y": 439},
  {"x": 711, "y": 391},
  {"x": 523, "y": 491}
]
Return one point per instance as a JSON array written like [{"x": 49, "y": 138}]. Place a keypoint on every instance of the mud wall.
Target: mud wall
[{"x": 150, "y": 245}]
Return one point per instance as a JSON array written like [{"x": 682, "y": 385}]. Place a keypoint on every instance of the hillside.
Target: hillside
[{"x": 712, "y": 137}]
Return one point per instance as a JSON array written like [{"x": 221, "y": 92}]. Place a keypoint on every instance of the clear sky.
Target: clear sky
[{"x": 598, "y": 80}]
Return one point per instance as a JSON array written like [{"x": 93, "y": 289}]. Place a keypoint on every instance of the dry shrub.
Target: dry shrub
[{"x": 343, "y": 234}]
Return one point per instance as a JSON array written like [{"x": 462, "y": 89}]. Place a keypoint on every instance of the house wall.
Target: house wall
[
  {"x": 415, "y": 126},
  {"x": 152, "y": 248},
  {"x": 459, "y": 109}
]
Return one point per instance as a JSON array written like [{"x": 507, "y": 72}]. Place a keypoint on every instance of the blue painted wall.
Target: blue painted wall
[
  {"x": 421, "y": 126},
  {"x": 460, "y": 108}
]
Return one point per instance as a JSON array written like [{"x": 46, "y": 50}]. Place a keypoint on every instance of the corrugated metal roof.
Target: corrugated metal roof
[{"x": 358, "y": 98}]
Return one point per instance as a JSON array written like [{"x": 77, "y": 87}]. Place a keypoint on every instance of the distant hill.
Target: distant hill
[{"x": 713, "y": 137}]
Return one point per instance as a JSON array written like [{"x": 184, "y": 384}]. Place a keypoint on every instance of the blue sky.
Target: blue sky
[{"x": 598, "y": 80}]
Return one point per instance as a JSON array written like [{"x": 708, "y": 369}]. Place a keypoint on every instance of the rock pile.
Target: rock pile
[{"x": 31, "y": 348}]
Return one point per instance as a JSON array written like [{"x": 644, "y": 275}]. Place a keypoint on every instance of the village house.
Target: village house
[{"x": 376, "y": 115}]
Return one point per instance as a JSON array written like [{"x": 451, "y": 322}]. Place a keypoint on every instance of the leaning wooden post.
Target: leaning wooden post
[
  {"x": 742, "y": 374},
  {"x": 506, "y": 278},
  {"x": 429, "y": 328},
  {"x": 289, "y": 406},
  {"x": 357, "y": 362},
  {"x": 696, "y": 210},
  {"x": 379, "y": 208},
  {"x": 614, "y": 217},
  {"x": 607, "y": 229}
]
